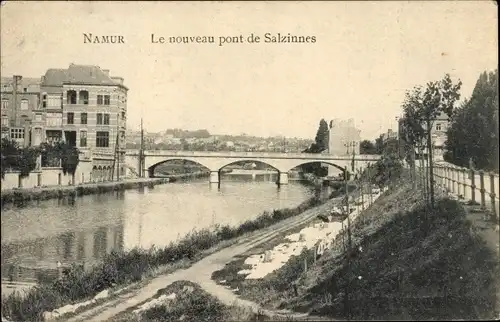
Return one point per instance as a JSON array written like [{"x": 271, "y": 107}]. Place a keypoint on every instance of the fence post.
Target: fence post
[
  {"x": 362, "y": 199},
  {"x": 482, "y": 190},
  {"x": 437, "y": 174},
  {"x": 315, "y": 253},
  {"x": 492, "y": 194},
  {"x": 441, "y": 177},
  {"x": 457, "y": 177},
  {"x": 464, "y": 179},
  {"x": 448, "y": 179},
  {"x": 452, "y": 178},
  {"x": 472, "y": 185}
]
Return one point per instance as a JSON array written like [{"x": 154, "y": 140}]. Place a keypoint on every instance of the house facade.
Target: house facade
[{"x": 81, "y": 105}]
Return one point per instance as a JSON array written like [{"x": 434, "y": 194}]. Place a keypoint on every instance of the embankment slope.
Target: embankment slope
[{"x": 409, "y": 263}]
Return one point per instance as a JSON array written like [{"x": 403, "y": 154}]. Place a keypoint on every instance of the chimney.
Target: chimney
[{"x": 117, "y": 79}]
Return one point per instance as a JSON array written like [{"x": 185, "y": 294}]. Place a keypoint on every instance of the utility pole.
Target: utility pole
[
  {"x": 118, "y": 147},
  {"x": 116, "y": 152},
  {"x": 347, "y": 310},
  {"x": 141, "y": 152},
  {"x": 17, "y": 78},
  {"x": 431, "y": 170}
]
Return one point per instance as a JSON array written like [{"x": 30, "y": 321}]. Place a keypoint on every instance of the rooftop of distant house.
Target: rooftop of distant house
[
  {"x": 74, "y": 74},
  {"x": 80, "y": 74},
  {"x": 29, "y": 83}
]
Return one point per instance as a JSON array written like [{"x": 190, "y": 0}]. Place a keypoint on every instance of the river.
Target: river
[{"x": 82, "y": 230}]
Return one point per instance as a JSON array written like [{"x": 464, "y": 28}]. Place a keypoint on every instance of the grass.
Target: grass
[
  {"x": 229, "y": 274},
  {"x": 192, "y": 303},
  {"x": 414, "y": 264},
  {"x": 124, "y": 268}
]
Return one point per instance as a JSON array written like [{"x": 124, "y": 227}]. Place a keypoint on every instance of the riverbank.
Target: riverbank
[
  {"x": 60, "y": 192},
  {"x": 400, "y": 268},
  {"x": 119, "y": 269},
  {"x": 187, "y": 301},
  {"x": 200, "y": 271}
]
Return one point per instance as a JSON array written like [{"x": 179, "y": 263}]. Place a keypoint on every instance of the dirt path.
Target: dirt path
[
  {"x": 487, "y": 230},
  {"x": 201, "y": 271}
]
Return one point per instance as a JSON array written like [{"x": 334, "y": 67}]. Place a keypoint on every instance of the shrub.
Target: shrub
[{"x": 120, "y": 268}]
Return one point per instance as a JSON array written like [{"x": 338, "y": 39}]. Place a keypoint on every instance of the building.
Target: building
[
  {"x": 438, "y": 136},
  {"x": 343, "y": 139},
  {"x": 389, "y": 135},
  {"x": 21, "y": 113},
  {"x": 87, "y": 108},
  {"x": 82, "y": 105}
]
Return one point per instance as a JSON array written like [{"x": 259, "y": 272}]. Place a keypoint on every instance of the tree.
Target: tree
[
  {"x": 367, "y": 147},
  {"x": 322, "y": 136},
  {"x": 61, "y": 154},
  {"x": 421, "y": 108},
  {"x": 319, "y": 145},
  {"x": 10, "y": 155},
  {"x": 473, "y": 132},
  {"x": 379, "y": 145},
  {"x": 391, "y": 146},
  {"x": 17, "y": 158}
]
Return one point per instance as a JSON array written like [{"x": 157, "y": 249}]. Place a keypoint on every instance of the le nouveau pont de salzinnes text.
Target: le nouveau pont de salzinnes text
[{"x": 237, "y": 39}]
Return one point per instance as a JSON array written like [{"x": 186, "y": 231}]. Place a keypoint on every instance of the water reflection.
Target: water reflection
[
  {"x": 82, "y": 230},
  {"x": 32, "y": 258}
]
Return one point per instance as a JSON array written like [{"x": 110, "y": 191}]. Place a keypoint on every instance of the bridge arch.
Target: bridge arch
[
  {"x": 322, "y": 162},
  {"x": 275, "y": 167},
  {"x": 151, "y": 169}
]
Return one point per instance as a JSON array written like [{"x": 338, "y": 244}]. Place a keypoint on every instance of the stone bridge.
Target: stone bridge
[{"x": 215, "y": 161}]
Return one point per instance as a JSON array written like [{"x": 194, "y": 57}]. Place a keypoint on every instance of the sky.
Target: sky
[{"x": 366, "y": 55}]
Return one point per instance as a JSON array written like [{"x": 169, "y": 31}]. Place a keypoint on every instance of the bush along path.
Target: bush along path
[
  {"x": 202, "y": 268},
  {"x": 413, "y": 264},
  {"x": 121, "y": 269},
  {"x": 201, "y": 272}
]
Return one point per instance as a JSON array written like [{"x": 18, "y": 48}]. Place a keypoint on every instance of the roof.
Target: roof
[
  {"x": 78, "y": 74},
  {"x": 25, "y": 81}
]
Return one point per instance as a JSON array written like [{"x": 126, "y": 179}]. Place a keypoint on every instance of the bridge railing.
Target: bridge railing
[
  {"x": 250, "y": 154},
  {"x": 477, "y": 186}
]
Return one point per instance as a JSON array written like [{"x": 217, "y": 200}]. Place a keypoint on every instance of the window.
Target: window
[
  {"x": 44, "y": 100},
  {"x": 5, "y": 121},
  {"x": 71, "y": 118},
  {"x": 99, "y": 100},
  {"x": 102, "y": 139},
  {"x": 5, "y": 104},
  {"x": 54, "y": 119},
  {"x": 106, "y": 119},
  {"x": 99, "y": 118},
  {"x": 106, "y": 99},
  {"x": 38, "y": 117},
  {"x": 53, "y": 102},
  {"x": 53, "y": 136},
  {"x": 83, "y": 118},
  {"x": 83, "y": 98},
  {"x": 24, "y": 104},
  {"x": 17, "y": 133},
  {"x": 71, "y": 97},
  {"x": 25, "y": 90},
  {"x": 83, "y": 138},
  {"x": 438, "y": 127},
  {"x": 123, "y": 115}
]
